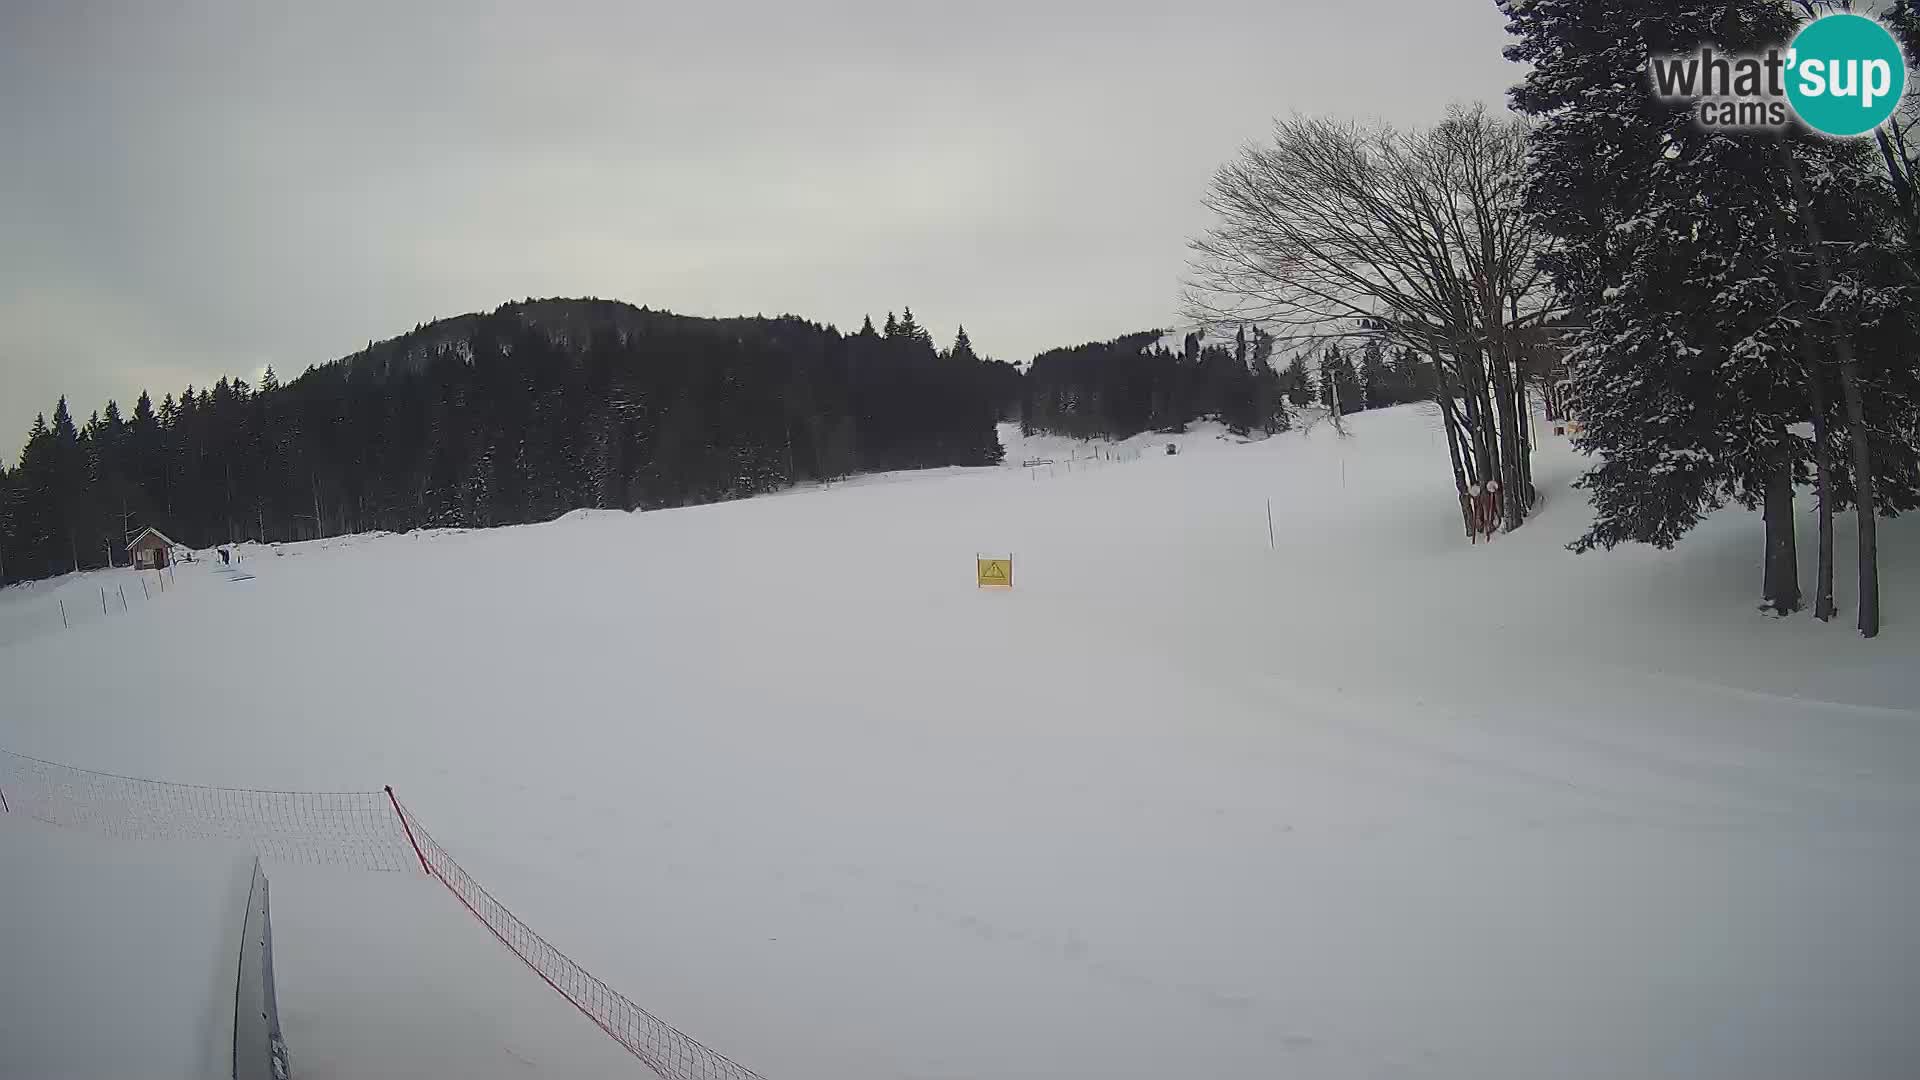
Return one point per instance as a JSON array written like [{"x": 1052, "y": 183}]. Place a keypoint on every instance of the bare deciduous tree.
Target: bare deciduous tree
[{"x": 1336, "y": 229}]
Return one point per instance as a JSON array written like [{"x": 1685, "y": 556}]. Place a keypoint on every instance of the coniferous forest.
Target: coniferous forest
[
  {"x": 1113, "y": 389},
  {"x": 517, "y": 415}
]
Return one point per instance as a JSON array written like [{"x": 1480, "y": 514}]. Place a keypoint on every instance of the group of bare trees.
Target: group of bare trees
[{"x": 1416, "y": 238}]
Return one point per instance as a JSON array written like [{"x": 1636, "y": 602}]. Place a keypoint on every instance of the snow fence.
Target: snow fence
[
  {"x": 341, "y": 828},
  {"x": 665, "y": 1049},
  {"x": 366, "y": 830}
]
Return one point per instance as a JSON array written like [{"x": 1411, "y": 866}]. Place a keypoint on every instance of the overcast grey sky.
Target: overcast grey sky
[{"x": 192, "y": 189}]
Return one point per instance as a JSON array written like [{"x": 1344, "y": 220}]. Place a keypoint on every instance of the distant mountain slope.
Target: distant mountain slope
[
  {"x": 518, "y": 414},
  {"x": 566, "y": 322}
]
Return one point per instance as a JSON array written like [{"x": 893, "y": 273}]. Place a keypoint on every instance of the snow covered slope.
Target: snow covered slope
[{"x": 1368, "y": 802}]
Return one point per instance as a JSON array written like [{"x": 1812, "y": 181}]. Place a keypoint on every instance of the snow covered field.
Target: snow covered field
[{"x": 1373, "y": 802}]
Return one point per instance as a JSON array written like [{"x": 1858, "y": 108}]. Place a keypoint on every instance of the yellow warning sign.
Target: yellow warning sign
[{"x": 995, "y": 573}]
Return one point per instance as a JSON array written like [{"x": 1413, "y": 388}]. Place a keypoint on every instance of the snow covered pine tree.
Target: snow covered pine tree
[{"x": 1692, "y": 385}]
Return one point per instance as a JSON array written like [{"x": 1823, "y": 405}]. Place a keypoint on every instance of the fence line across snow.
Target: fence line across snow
[
  {"x": 664, "y": 1048},
  {"x": 367, "y": 830},
  {"x": 342, "y": 828},
  {"x": 26, "y": 614}
]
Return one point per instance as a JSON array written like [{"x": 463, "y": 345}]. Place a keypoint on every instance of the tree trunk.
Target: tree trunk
[
  {"x": 1333, "y": 403},
  {"x": 1822, "y": 438},
  {"x": 1863, "y": 508},
  {"x": 1523, "y": 443},
  {"x": 1526, "y": 438},
  {"x": 1474, "y": 403},
  {"x": 1902, "y": 188},
  {"x": 1523, "y": 412},
  {"x": 1864, "y": 503},
  {"x": 1459, "y": 469},
  {"x": 1443, "y": 396},
  {"x": 1823, "y": 491},
  {"x": 1509, "y": 435},
  {"x": 1488, "y": 429},
  {"x": 1456, "y": 407},
  {"x": 1780, "y": 584}
]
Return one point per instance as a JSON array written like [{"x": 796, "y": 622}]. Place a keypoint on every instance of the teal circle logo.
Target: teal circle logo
[{"x": 1845, "y": 74}]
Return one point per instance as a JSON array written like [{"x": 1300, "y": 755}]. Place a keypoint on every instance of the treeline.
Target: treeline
[
  {"x": 1115, "y": 389},
  {"x": 518, "y": 415},
  {"x": 1368, "y": 376}
]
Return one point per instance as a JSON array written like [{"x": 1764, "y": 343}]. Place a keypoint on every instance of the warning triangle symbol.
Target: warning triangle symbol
[{"x": 995, "y": 570}]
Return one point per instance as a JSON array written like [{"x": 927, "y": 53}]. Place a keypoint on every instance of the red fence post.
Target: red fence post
[{"x": 403, "y": 824}]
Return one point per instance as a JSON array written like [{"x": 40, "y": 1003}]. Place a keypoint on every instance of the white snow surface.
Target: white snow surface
[
  {"x": 1370, "y": 802},
  {"x": 116, "y": 960},
  {"x": 386, "y": 975},
  {"x": 1062, "y": 450}
]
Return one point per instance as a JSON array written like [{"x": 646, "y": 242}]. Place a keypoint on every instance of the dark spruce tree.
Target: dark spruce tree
[
  {"x": 1108, "y": 389},
  {"x": 1340, "y": 389},
  {"x": 1119, "y": 388},
  {"x": 31, "y": 539},
  {"x": 1394, "y": 377},
  {"x": 1269, "y": 398},
  {"x": 1413, "y": 378},
  {"x": 1690, "y": 383},
  {"x": 1115, "y": 389},
  {"x": 1298, "y": 382}
]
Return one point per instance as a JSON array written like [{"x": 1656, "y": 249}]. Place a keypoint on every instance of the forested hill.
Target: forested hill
[
  {"x": 515, "y": 415},
  {"x": 566, "y": 321}
]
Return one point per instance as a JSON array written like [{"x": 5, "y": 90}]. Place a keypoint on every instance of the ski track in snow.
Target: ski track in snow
[{"x": 1373, "y": 802}]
